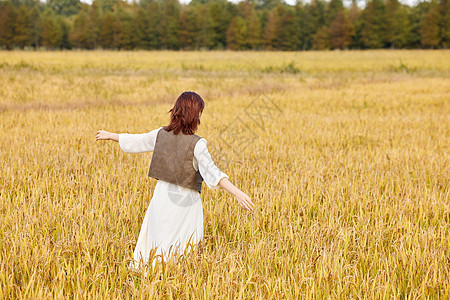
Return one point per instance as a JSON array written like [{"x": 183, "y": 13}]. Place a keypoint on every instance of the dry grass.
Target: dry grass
[{"x": 351, "y": 178}]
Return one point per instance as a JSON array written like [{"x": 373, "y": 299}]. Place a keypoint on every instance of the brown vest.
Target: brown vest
[{"x": 172, "y": 159}]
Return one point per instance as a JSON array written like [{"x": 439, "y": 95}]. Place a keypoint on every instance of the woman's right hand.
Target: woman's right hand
[
  {"x": 244, "y": 201},
  {"x": 103, "y": 135}
]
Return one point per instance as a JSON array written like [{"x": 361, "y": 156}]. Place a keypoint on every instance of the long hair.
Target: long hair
[{"x": 185, "y": 113}]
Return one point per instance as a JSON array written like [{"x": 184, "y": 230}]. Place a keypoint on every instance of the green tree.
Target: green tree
[
  {"x": 341, "y": 31},
  {"x": 8, "y": 15},
  {"x": 108, "y": 5},
  {"x": 221, "y": 16},
  {"x": 298, "y": 9},
  {"x": 286, "y": 31},
  {"x": 444, "y": 23},
  {"x": 267, "y": 4},
  {"x": 64, "y": 7},
  {"x": 124, "y": 34},
  {"x": 169, "y": 27},
  {"x": 354, "y": 12},
  {"x": 354, "y": 15},
  {"x": 237, "y": 34},
  {"x": 254, "y": 31},
  {"x": 398, "y": 29},
  {"x": 372, "y": 25},
  {"x": 22, "y": 28},
  {"x": 80, "y": 32},
  {"x": 429, "y": 28},
  {"x": 188, "y": 28},
  {"x": 155, "y": 15},
  {"x": 146, "y": 22},
  {"x": 281, "y": 29},
  {"x": 93, "y": 23},
  {"x": 246, "y": 10},
  {"x": 35, "y": 33},
  {"x": 321, "y": 39},
  {"x": 85, "y": 31},
  {"x": 51, "y": 32},
  {"x": 333, "y": 7},
  {"x": 106, "y": 34},
  {"x": 310, "y": 19},
  {"x": 416, "y": 15},
  {"x": 28, "y": 3},
  {"x": 65, "y": 31},
  {"x": 269, "y": 36},
  {"x": 205, "y": 35}
]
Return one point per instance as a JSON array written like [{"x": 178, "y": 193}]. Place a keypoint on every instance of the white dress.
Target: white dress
[{"x": 174, "y": 218}]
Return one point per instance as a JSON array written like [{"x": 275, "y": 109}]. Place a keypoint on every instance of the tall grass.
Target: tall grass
[{"x": 350, "y": 179}]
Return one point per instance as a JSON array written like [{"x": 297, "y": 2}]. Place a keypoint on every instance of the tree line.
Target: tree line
[{"x": 220, "y": 24}]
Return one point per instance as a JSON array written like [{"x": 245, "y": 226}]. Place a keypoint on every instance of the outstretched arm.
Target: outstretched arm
[
  {"x": 105, "y": 135},
  {"x": 131, "y": 143},
  {"x": 241, "y": 197}
]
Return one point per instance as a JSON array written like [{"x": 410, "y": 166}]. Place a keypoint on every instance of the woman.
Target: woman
[{"x": 180, "y": 162}]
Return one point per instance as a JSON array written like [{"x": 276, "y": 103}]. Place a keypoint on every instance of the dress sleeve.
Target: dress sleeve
[
  {"x": 210, "y": 173},
  {"x": 137, "y": 143}
]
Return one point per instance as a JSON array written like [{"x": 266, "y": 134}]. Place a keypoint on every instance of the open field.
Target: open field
[{"x": 349, "y": 172}]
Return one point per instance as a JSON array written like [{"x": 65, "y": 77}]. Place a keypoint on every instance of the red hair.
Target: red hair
[{"x": 185, "y": 114}]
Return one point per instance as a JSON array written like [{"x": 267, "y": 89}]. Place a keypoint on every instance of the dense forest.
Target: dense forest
[{"x": 220, "y": 24}]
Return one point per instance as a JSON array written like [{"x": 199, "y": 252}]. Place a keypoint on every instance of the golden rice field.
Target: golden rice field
[{"x": 345, "y": 154}]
